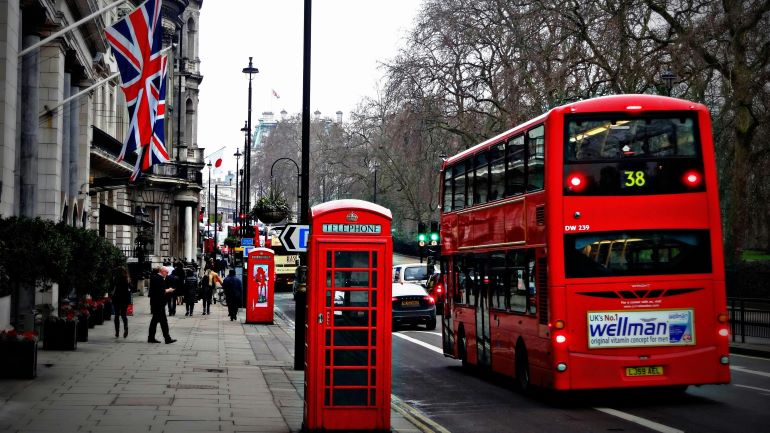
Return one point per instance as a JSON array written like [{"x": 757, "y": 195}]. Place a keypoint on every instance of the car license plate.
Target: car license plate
[
  {"x": 410, "y": 303},
  {"x": 650, "y": 370}
]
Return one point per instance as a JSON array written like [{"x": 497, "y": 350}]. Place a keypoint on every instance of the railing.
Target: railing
[
  {"x": 178, "y": 171},
  {"x": 749, "y": 317}
]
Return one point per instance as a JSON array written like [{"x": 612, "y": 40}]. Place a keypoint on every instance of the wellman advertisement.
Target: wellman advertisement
[{"x": 640, "y": 328}]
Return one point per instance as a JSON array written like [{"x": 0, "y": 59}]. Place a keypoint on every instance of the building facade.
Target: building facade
[{"x": 63, "y": 119}]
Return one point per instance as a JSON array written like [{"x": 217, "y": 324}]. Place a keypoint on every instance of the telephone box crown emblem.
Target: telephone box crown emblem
[{"x": 352, "y": 217}]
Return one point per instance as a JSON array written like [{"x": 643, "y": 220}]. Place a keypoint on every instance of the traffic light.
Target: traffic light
[
  {"x": 434, "y": 233},
  {"x": 434, "y": 238},
  {"x": 421, "y": 238}
]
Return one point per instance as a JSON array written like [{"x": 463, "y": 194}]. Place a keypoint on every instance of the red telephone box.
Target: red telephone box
[
  {"x": 348, "y": 341},
  {"x": 260, "y": 285}
]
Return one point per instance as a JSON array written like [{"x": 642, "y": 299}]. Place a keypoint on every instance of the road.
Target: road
[{"x": 467, "y": 401}]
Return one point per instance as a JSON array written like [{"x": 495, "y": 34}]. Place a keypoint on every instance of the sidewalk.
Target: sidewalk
[
  {"x": 753, "y": 346},
  {"x": 219, "y": 376}
]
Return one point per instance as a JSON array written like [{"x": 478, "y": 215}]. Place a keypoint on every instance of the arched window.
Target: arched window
[
  {"x": 192, "y": 32},
  {"x": 189, "y": 121}
]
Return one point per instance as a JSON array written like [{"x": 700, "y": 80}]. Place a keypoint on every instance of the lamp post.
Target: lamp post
[
  {"x": 668, "y": 78},
  {"x": 208, "y": 206},
  {"x": 250, "y": 71},
  {"x": 237, "y": 156},
  {"x": 244, "y": 189},
  {"x": 299, "y": 176}
]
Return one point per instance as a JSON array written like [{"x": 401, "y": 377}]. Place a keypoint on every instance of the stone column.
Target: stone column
[
  {"x": 188, "y": 233},
  {"x": 9, "y": 88},
  {"x": 65, "y": 112},
  {"x": 73, "y": 160},
  {"x": 51, "y": 132},
  {"x": 30, "y": 103}
]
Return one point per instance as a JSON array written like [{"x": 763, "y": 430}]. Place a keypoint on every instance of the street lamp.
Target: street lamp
[
  {"x": 208, "y": 216},
  {"x": 250, "y": 71},
  {"x": 237, "y": 156},
  {"x": 299, "y": 176},
  {"x": 244, "y": 189},
  {"x": 668, "y": 78}
]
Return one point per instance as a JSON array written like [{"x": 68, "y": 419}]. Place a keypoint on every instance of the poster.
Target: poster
[{"x": 640, "y": 328}]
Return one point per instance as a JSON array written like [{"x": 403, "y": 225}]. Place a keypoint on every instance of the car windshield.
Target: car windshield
[{"x": 416, "y": 273}]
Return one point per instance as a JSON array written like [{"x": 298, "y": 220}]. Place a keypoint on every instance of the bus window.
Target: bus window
[
  {"x": 642, "y": 252},
  {"x": 535, "y": 159},
  {"x": 458, "y": 200},
  {"x": 496, "y": 171},
  {"x": 447, "y": 190},
  {"x": 481, "y": 179},
  {"x": 514, "y": 177},
  {"x": 498, "y": 287}
]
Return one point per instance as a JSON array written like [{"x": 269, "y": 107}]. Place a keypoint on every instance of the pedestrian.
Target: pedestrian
[
  {"x": 208, "y": 284},
  {"x": 233, "y": 291},
  {"x": 190, "y": 292},
  {"x": 158, "y": 295},
  {"x": 176, "y": 282},
  {"x": 121, "y": 298}
]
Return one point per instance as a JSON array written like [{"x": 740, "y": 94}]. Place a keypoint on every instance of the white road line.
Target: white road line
[
  {"x": 748, "y": 356},
  {"x": 638, "y": 420},
  {"x": 416, "y": 417},
  {"x": 753, "y": 387},
  {"x": 426, "y": 332},
  {"x": 419, "y": 343},
  {"x": 746, "y": 370}
]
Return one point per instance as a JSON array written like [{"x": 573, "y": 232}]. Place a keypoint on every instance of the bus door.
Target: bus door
[
  {"x": 450, "y": 287},
  {"x": 481, "y": 289}
]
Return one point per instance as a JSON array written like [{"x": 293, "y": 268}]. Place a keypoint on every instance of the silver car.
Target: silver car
[{"x": 412, "y": 305}]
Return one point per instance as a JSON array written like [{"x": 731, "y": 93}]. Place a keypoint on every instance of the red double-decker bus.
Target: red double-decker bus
[{"x": 583, "y": 248}]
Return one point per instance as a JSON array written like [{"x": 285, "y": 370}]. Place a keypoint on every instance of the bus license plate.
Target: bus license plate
[
  {"x": 410, "y": 303},
  {"x": 651, "y": 370}
]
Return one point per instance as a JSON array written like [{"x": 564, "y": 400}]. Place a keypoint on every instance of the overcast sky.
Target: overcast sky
[{"x": 349, "y": 38}]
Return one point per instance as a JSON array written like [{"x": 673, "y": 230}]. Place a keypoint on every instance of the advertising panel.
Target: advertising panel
[{"x": 640, "y": 328}]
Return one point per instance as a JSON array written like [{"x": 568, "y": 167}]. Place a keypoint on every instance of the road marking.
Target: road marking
[
  {"x": 746, "y": 370},
  {"x": 419, "y": 343},
  {"x": 747, "y": 356},
  {"x": 415, "y": 416},
  {"x": 638, "y": 420},
  {"x": 753, "y": 387},
  {"x": 427, "y": 332}
]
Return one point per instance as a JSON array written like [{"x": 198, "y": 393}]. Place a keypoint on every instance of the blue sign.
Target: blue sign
[
  {"x": 304, "y": 233},
  {"x": 247, "y": 242}
]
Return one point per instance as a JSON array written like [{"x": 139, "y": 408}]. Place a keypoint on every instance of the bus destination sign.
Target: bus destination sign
[{"x": 365, "y": 229}]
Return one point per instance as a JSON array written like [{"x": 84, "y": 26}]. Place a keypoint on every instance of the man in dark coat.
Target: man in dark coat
[
  {"x": 233, "y": 291},
  {"x": 159, "y": 292}
]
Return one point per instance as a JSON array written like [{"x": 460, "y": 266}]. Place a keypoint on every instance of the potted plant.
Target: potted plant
[
  {"x": 19, "y": 359},
  {"x": 83, "y": 322},
  {"x": 60, "y": 333},
  {"x": 271, "y": 208}
]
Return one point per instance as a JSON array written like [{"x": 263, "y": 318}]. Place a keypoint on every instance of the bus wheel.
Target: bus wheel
[
  {"x": 431, "y": 325},
  {"x": 522, "y": 368}
]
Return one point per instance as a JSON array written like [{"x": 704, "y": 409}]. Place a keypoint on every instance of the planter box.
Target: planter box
[
  {"x": 271, "y": 217},
  {"x": 60, "y": 335},
  {"x": 82, "y": 332},
  {"x": 19, "y": 359},
  {"x": 107, "y": 311},
  {"x": 98, "y": 315}
]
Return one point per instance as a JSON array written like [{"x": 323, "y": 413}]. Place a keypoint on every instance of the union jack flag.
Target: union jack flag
[{"x": 136, "y": 43}]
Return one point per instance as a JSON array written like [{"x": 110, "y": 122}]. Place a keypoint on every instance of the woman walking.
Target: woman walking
[
  {"x": 190, "y": 291},
  {"x": 121, "y": 297}
]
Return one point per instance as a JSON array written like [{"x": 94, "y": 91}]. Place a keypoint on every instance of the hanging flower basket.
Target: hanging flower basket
[{"x": 272, "y": 208}]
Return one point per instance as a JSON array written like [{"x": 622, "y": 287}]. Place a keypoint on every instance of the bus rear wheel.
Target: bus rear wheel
[{"x": 522, "y": 369}]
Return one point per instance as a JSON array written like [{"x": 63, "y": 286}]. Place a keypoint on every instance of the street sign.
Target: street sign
[
  {"x": 247, "y": 242},
  {"x": 294, "y": 237}
]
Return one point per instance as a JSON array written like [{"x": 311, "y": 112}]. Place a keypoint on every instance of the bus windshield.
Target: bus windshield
[
  {"x": 641, "y": 252},
  {"x": 617, "y": 137}
]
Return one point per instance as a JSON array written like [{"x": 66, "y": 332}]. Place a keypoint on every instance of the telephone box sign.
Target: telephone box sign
[{"x": 373, "y": 229}]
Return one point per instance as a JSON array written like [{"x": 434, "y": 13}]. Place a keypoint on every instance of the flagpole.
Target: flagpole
[{"x": 69, "y": 27}]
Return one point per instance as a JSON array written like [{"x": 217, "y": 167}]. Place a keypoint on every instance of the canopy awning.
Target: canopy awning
[{"x": 108, "y": 215}]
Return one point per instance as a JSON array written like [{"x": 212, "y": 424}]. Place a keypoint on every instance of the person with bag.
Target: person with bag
[
  {"x": 190, "y": 291},
  {"x": 233, "y": 292},
  {"x": 207, "y": 289},
  {"x": 121, "y": 299}
]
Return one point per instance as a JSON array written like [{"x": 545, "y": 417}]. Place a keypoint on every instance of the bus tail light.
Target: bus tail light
[
  {"x": 576, "y": 182},
  {"x": 724, "y": 332},
  {"x": 692, "y": 178},
  {"x": 561, "y": 338},
  {"x": 722, "y": 317},
  {"x": 559, "y": 324},
  {"x": 439, "y": 288}
]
